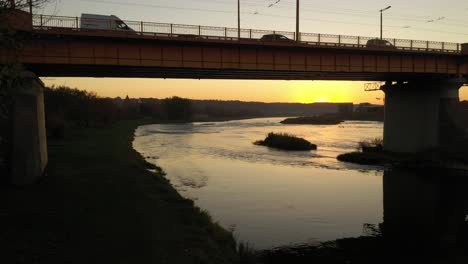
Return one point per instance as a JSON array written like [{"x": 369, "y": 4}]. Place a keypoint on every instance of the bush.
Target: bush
[
  {"x": 373, "y": 145},
  {"x": 286, "y": 141}
]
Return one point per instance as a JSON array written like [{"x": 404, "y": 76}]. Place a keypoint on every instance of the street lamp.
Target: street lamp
[
  {"x": 238, "y": 20},
  {"x": 381, "y": 20},
  {"x": 297, "y": 21}
]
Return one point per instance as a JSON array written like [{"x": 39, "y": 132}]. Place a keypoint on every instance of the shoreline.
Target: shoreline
[
  {"x": 396, "y": 160},
  {"x": 100, "y": 204}
]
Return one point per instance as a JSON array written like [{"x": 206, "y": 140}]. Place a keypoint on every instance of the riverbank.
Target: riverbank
[
  {"x": 100, "y": 204},
  {"x": 334, "y": 118},
  {"x": 389, "y": 159}
]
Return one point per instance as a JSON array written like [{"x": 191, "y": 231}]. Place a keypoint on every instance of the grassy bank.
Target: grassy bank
[{"x": 100, "y": 204}]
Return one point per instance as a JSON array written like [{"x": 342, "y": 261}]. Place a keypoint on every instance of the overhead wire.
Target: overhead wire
[
  {"x": 365, "y": 13},
  {"x": 257, "y": 13}
]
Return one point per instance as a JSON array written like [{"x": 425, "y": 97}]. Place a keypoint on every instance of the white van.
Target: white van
[{"x": 91, "y": 21}]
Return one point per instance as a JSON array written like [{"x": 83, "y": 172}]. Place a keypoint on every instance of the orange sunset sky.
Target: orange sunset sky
[{"x": 438, "y": 20}]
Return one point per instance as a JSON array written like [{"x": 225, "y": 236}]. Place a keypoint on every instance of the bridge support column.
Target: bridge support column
[
  {"x": 450, "y": 129},
  {"x": 29, "y": 154},
  {"x": 415, "y": 114}
]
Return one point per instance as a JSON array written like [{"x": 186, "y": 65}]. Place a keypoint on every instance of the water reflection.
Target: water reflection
[
  {"x": 271, "y": 197},
  {"x": 425, "y": 221}
]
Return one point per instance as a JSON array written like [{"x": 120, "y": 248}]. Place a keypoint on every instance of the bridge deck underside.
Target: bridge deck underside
[
  {"x": 64, "y": 70},
  {"x": 105, "y": 57}
]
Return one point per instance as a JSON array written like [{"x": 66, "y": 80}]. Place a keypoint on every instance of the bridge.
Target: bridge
[
  {"x": 422, "y": 78},
  {"x": 61, "y": 47}
]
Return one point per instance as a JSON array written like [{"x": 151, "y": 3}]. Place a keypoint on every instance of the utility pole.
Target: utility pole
[
  {"x": 12, "y": 4},
  {"x": 238, "y": 20},
  {"x": 297, "y": 21},
  {"x": 30, "y": 7},
  {"x": 381, "y": 20}
]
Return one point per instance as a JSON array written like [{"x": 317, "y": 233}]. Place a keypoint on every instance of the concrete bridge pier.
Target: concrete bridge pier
[
  {"x": 417, "y": 114},
  {"x": 29, "y": 154}
]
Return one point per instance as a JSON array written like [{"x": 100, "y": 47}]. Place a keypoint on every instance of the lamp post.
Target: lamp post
[
  {"x": 297, "y": 21},
  {"x": 381, "y": 20},
  {"x": 238, "y": 20}
]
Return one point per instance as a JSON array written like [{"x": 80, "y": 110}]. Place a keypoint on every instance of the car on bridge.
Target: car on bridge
[
  {"x": 189, "y": 36},
  {"x": 275, "y": 37},
  {"x": 379, "y": 43},
  {"x": 102, "y": 22}
]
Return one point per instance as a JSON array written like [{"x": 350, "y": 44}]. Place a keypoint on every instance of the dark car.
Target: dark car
[
  {"x": 275, "y": 37},
  {"x": 379, "y": 43},
  {"x": 189, "y": 36}
]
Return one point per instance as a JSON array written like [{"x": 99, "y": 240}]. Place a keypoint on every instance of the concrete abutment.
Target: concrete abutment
[
  {"x": 29, "y": 143},
  {"x": 418, "y": 114}
]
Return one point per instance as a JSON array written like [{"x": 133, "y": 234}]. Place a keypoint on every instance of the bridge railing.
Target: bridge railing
[{"x": 44, "y": 22}]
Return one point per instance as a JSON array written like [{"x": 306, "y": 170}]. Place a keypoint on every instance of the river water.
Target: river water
[{"x": 270, "y": 197}]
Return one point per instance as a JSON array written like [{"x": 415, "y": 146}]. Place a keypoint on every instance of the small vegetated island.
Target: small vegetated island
[
  {"x": 286, "y": 142},
  {"x": 371, "y": 152},
  {"x": 313, "y": 120}
]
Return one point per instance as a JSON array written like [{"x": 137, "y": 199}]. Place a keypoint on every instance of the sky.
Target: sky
[{"x": 437, "y": 20}]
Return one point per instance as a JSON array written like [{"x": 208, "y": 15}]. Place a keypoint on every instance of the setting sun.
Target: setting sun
[
  {"x": 321, "y": 99},
  {"x": 332, "y": 91}
]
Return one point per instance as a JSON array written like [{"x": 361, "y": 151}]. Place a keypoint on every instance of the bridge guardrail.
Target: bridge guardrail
[{"x": 46, "y": 22}]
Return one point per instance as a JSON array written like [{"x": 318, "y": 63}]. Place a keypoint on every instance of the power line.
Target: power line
[
  {"x": 360, "y": 13},
  {"x": 253, "y": 3},
  {"x": 365, "y": 13},
  {"x": 257, "y": 14},
  {"x": 362, "y": 24},
  {"x": 157, "y": 6}
]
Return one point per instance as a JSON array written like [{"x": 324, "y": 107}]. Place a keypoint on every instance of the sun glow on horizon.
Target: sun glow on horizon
[
  {"x": 330, "y": 92},
  {"x": 322, "y": 99},
  {"x": 242, "y": 90}
]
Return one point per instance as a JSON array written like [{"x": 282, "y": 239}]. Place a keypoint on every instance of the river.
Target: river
[{"x": 270, "y": 197}]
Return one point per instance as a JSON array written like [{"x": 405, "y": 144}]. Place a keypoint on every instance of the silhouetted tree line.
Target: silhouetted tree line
[
  {"x": 177, "y": 108},
  {"x": 180, "y": 109},
  {"x": 68, "y": 108},
  {"x": 240, "y": 108},
  {"x": 72, "y": 108}
]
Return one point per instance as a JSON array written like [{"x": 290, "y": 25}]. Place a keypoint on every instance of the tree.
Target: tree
[
  {"x": 177, "y": 108},
  {"x": 7, "y": 5}
]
